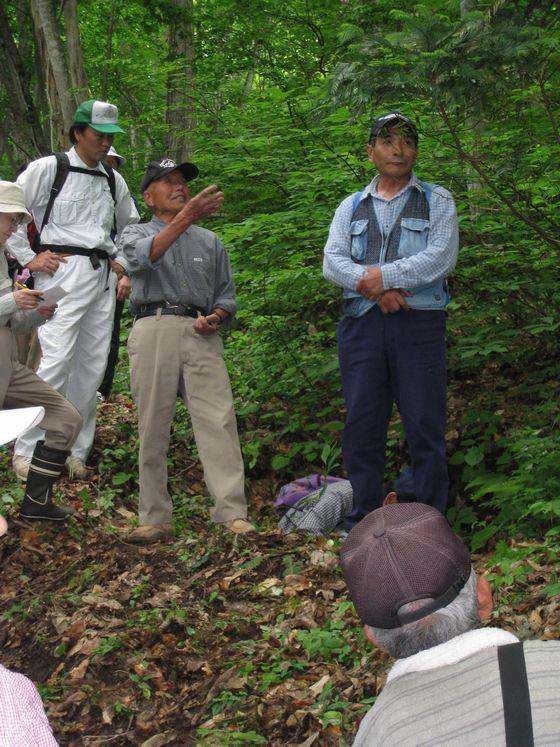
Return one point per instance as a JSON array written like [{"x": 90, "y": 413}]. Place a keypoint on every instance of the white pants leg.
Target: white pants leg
[{"x": 75, "y": 343}]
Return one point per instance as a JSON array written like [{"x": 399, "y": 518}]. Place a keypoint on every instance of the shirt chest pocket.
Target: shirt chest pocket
[
  {"x": 93, "y": 204},
  {"x": 358, "y": 239},
  {"x": 71, "y": 208},
  {"x": 199, "y": 270},
  {"x": 414, "y": 236}
]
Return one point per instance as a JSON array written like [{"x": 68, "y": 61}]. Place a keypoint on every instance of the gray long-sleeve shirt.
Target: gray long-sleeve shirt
[{"x": 194, "y": 270}]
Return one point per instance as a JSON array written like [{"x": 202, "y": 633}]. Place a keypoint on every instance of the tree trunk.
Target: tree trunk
[
  {"x": 109, "y": 52},
  {"x": 24, "y": 30},
  {"x": 61, "y": 101},
  {"x": 474, "y": 185},
  {"x": 180, "y": 117},
  {"x": 28, "y": 134},
  {"x": 75, "y": 54},
  {"x": 5, "y": 148},
  {"x": 133, "y": 146}
]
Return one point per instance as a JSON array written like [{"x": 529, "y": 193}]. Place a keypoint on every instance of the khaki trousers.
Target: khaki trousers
[
  {"x": 29, "y": 349},
  {"x": 166, "y": 356},
  {"x": 23, "y": 388}
]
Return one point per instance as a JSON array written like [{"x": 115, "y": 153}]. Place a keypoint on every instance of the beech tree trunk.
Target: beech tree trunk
[
  {"x": 180, "y": 114},
  {"x": 27, "y": 133},
  {"x": 61, "y": 101},
  {"x": 78, "y": 76}
]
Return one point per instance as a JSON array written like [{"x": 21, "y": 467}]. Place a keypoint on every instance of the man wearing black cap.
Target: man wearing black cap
[
  {"x": 454, "y": 682},
  {"x": 391, "y": 248},
  {"x": 182, "y": 291}
]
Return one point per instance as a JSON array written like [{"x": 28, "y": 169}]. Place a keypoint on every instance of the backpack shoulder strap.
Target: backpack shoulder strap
[
  {"x": 111, "y": 179},
  {"x": 113, "y": 187},
  {"x": 62, "y": 169},
  {"x": 516, "y": 698}
]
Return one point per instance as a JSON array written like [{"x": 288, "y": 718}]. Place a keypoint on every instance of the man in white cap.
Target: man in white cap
[
  {"x": 76, "y": 202},
  {"x": 20, "y": 311},
  {"x": 114, "y": 159}
]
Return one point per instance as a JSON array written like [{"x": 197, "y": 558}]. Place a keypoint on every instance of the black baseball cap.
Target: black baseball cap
[
  {"x": 402, "y": 553},
  {"x": 157, "y": 169},
  {"x": 393, "y": 118}
]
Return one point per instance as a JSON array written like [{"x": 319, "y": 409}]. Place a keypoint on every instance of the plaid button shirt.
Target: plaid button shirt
[
  {"x": 433, "y": 264},
  {"x": 23, "y": 722}
]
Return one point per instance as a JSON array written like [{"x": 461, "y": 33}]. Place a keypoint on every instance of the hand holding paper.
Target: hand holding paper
[{"x": 51, "y": 296}]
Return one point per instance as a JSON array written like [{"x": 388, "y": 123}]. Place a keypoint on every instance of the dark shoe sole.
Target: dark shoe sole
[
  {"x": 50, "y": 512},
  {"x": 44, "y": 518}
]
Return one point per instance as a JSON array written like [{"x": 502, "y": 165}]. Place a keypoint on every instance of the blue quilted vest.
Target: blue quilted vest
[{"x": 408, "y": 236}]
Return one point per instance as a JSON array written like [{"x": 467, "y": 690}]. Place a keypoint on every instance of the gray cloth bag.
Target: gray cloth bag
[{"x": 319, "y": 512}]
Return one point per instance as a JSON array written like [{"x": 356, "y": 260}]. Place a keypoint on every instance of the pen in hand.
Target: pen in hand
[
  {"x": 23, "y": 287},
  {"x": 26, "y": 298}
]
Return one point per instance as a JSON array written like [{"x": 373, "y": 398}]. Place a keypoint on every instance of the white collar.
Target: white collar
[
  {"x": 75, "y": 160},
  {"x": 371, "y": 188},
  {"x": 455, "y": 650}
]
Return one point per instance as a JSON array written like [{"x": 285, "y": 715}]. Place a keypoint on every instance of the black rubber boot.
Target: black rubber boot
[{"x": 46, "y": 467}]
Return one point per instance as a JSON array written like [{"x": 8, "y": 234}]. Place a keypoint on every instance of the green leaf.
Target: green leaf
[
  {"x": 121, "y": 477},
  {"x": 280, "y": 461}
]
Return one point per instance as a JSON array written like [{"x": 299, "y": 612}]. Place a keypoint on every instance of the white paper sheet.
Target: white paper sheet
[
  {"x": 15, "y": 422},
  {"x": 52, "y": 295}
]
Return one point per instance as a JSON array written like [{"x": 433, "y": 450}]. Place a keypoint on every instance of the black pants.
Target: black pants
[
  {"x": 386, "y": 359},
  {"x": 107, "y": 383}
]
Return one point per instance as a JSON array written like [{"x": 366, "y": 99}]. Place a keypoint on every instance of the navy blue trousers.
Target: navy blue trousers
[{"x": 385, "y": 359}]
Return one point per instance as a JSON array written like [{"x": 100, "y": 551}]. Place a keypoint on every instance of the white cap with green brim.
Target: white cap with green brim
[
  {"x": 99, "y": 115},
  {"x": 12, "y": 200}
]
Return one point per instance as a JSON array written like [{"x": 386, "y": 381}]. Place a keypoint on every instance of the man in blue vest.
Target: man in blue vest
[{"x": 391, "y": 248}]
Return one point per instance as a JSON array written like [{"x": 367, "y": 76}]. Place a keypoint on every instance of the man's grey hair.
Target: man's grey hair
[{"x": 440, "y": 626}]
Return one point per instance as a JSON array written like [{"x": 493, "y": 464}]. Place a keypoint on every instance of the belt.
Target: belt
[
  {"x": 165, "y": 308},
  {"x": 94, "y": 254}
]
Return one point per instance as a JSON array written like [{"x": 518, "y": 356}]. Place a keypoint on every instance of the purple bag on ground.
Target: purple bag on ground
[{"x": 294, "y": 491}]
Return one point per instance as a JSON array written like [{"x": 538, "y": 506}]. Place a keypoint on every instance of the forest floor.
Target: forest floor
[{"x": 209, "y": 639}]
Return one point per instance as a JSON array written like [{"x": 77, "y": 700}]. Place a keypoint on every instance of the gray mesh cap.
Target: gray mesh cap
[
  {"x": 391, "y": 119},
  {"x": 157, "y": 169},
  {"x": 399, "y": 554}
]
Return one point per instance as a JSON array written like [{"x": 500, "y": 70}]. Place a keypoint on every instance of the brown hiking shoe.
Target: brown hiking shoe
[
  {"x": 148, "y": 533},
  {"x": 239, "y": 526},
  {"x": 76, "y": 467},
  {"x": 21, "y": 466}
]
